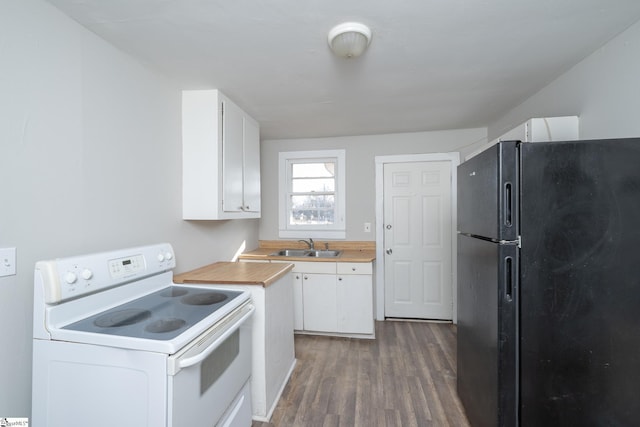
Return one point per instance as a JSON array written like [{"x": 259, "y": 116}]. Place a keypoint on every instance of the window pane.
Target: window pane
[
  {"x": 310, "y": 170},
  {"x": 312, "y": 210},
  {"x": 308, "y": 185}
]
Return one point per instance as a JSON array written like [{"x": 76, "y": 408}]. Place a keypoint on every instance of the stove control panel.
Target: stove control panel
[
  {"x": 126, "y": 266},
  {"x": 69, "y": 278}
]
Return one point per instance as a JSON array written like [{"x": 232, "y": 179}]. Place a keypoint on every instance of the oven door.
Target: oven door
[{"x": 209, "y": 379}]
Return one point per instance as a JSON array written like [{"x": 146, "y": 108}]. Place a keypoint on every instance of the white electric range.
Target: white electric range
[{"x": 116, "y": 342}]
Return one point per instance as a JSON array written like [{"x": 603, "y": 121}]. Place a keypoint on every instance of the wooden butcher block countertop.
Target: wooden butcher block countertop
[{"x": 235, "y": 273}]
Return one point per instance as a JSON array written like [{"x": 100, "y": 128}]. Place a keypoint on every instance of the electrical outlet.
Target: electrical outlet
[
  {"x": 7, "y": 262},
  {"x": 367, "y": 227}
]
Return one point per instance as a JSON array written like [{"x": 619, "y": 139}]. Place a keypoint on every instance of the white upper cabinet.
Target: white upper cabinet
[
  {"x": 545, "y": 129},
  {"x": 540, "y": 129},
  {"x": 220, "y": 158}
]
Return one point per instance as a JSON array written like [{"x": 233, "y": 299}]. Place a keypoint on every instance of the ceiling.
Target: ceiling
[{"x": 431, "y": 65}]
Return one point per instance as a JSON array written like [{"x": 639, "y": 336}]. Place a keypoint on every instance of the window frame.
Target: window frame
[{"x": 337, "y": 230}]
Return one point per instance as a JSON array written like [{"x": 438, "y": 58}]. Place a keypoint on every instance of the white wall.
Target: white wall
[
  {"x": 360, "y": 169},
  {"x": 603, "y": 90},
  {"x": 90, "y": 160}
]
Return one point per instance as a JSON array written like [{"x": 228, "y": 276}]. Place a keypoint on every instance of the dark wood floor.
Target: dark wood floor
[{"x": 406, "y": 377}]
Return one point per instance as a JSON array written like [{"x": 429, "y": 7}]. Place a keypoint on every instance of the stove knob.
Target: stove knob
[
  {"x": 70, "y": 277},
  {"x": 168, "y": 256},
  {"x": 87, "y": 274},
  {"x": 160, "y": 257}
]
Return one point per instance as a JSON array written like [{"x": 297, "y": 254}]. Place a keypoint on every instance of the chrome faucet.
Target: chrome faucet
[{"x": 309, "y": 243}]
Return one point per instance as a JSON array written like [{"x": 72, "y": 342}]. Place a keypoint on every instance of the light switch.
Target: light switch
[
  {"x": 367, "y": 227},
  {"x": 7, "y": 262}
]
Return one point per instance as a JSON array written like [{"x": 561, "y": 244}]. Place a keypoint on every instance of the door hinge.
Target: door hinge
[{"x": 517, "y": 242}]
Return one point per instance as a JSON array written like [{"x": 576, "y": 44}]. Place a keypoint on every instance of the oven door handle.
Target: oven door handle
[{"x": 190, "y": 361}]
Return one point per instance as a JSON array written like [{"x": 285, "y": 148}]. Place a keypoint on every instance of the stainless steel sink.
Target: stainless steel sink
[
  {"x": 292, "y": 252},
  {"x": 307, "y": 253},
  {"x": 325, "y": 254}
]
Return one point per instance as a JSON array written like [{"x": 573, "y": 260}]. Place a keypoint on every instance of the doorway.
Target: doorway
[{"x": 415, "y": 236}]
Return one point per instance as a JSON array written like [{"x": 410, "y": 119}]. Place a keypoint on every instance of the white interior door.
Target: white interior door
[{"x": 417, "y": 240}]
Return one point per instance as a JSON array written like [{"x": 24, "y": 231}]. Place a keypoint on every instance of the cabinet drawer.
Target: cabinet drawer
[
  {"x": 354, "y": 268},
  {"x": 314, "y": 267}
]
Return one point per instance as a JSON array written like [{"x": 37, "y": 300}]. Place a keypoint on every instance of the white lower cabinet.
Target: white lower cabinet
[
  {"x": 354, "y": 304},
  {"x": 333, "y": 297},
  {"x": 319, "y": 298}
]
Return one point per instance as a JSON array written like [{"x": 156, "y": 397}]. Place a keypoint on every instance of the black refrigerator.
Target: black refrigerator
[{"x": 549, "y": 284}]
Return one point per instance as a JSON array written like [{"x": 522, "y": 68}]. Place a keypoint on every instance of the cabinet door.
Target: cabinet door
[
  {"x": 232, "y": 157},
  {"x": 298, "y": 303},
  {"x": 319, "y": 296},
  {"x": 251, "y": 188},
  {"x": 355, "y": 303},
  {"x": 201, "y": 154}
]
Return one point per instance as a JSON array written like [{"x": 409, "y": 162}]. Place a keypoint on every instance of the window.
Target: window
[{"x": 312, "y": 194}]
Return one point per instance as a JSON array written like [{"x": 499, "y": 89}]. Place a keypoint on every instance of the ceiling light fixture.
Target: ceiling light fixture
[{"x": 350, "y": 39}]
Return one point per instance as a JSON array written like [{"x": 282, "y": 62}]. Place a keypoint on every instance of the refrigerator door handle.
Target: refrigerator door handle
[
  {"x": 508, "y": 204},
  {"x": 509, "y": 277}
]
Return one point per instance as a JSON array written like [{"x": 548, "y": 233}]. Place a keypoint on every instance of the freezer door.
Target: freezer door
[
  {"x": 488, "y": 193},
  {"x": 487, "y": 331},
  {"x": 580, "y": 285}
]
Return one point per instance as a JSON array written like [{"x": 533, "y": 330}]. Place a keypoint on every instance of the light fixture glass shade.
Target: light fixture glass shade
[{"x": 350, "y": 39}]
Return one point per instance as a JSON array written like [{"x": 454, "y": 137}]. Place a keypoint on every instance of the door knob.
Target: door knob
[
  {"x": 388, "y": 226},
  {"x": 389, "y": 251}
]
